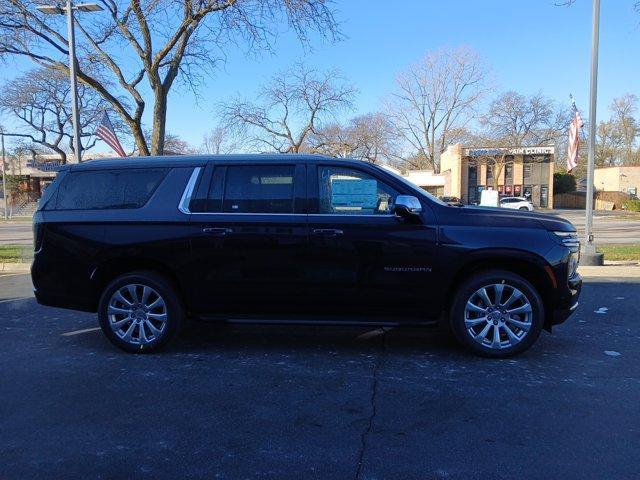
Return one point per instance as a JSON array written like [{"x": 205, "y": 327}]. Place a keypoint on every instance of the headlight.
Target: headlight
[
  {"x": 568, "y": 239},
  {"x": 574, "y": 260},
  {"x": 571, "y": 241}
]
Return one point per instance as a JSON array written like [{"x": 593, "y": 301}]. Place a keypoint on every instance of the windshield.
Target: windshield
[{"x": 413, "y": 186}]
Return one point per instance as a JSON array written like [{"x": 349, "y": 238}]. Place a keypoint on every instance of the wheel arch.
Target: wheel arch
[
  {"x": 111, "y": 269},
  {"x": 531, "y": 267}
]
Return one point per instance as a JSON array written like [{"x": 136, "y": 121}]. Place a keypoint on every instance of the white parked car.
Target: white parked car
[{"x": 517, "y": 203}]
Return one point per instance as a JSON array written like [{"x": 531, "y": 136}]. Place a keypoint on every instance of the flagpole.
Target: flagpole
[{"x": 589, "y": 254}]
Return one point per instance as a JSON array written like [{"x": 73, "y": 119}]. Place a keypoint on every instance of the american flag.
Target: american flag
[
  {"x": 105, "y": 132},
  {"x": 574, "y": 138}
]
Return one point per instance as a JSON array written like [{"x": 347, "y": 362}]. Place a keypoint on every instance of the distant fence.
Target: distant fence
[
  {"x": 570, "y": 200},
  {"x": 603, "y": 200}
]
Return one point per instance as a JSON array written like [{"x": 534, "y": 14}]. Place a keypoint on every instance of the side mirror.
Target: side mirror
[{"x": 407, "y": 206}]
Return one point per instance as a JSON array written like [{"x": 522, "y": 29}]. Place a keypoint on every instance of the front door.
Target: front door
[
  {"x": 249, "y": 238},
  {"x": 363, "y": 258}
]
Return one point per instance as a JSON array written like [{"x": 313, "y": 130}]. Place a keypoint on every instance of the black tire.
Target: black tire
[
  {"x": 174, "y": 310},
  {"x": 510, "y": 280},
  {"x": 523, "y": 208}
]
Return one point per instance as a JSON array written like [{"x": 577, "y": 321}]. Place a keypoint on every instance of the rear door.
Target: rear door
[
  {"x": 249, "y": 237},
  {"x": 363, "y": 258}
]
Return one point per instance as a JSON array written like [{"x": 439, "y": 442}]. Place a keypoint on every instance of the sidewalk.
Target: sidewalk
[{"x": 611, "y": 270}]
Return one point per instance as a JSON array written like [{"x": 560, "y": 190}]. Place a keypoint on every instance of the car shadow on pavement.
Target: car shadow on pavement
[{"x": 201, "y": 337}]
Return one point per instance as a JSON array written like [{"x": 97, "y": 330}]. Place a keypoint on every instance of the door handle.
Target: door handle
[
  {"x": 217, "y": 231},
  {"x": 328, "y": 232}
]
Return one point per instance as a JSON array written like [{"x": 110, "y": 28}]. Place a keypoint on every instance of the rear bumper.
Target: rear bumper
[
  {"x": 64, "y": 301},
  {"x": 51, "y": 288}
]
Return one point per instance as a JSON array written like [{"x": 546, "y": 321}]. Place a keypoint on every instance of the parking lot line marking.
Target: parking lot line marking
[
  {"x": 78, "y": 332},
  {"x": 372, "y": 333},
  {"x": 6, "y": 300}
]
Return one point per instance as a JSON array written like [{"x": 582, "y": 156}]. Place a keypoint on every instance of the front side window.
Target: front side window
[
  {"x": 108, "y": 189},
  {"x": 259, "y": 189},
  {"x": 347, "y": 191}
]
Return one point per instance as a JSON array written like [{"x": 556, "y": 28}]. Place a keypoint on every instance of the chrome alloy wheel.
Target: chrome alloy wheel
[
  {"x": 498, "y": 316},
  {"x": 137, "y": 314}
]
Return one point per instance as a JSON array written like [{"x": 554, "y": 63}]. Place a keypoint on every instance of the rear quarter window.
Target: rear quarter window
[{"x": 108, "y": 189}]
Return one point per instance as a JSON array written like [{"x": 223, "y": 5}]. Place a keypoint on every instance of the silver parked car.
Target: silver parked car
[{"x": 517, "y": 203}]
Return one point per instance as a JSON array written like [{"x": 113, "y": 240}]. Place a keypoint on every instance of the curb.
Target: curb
[
  {"x": 618, "y": 271},
  {"x": 15, "y": 267}
]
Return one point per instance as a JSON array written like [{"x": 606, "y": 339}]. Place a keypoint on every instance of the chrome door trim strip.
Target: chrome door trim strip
[{"x": 183, "y": 206}]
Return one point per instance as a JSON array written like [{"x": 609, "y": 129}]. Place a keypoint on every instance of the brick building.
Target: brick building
[{"x": 527, "y": 172}]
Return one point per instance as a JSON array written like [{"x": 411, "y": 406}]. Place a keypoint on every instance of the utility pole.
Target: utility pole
[
  {"x": 4, "y": 178},
  {"x": 589, "y": 254}
]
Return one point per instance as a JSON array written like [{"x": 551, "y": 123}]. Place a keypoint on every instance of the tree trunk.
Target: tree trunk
[
  {"x": 159, "y": 122},
  {"x": 138, "y": 136}
]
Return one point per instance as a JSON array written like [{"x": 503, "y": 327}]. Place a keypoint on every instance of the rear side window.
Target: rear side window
[
  {"x": 253, "y": 189},
  {"x": 108, "y": 189}
]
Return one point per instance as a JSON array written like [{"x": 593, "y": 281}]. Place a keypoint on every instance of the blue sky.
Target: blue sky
[{"x": 530, "y": 46}]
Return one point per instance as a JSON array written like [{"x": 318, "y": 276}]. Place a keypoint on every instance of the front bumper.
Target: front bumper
[{"x": 568, "y": 303}]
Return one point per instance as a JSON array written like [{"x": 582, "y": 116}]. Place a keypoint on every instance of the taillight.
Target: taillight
[{"x": 38, "y": 234}]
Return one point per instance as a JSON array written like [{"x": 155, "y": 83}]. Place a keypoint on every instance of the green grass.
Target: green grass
[
  {"x": 620, "y": 252},
  {"x": 15, "y": 219},
  {"x": 16, "y": 253}
]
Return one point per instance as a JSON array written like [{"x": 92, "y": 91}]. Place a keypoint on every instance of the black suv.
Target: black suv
[{"x": 148, "y": 242}]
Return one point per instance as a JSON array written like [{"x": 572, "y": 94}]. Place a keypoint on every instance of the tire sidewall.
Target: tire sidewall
[
  {"x": 486, "y": 278},
  {"x": 174, "y": 310}
]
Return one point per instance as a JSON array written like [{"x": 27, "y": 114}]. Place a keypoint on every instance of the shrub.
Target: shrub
[
  {"x": 632, "y": 205},
  {"x": 564, "y": 183}
]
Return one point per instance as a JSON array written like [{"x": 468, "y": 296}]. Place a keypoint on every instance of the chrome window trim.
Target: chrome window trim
[
  {"x": 296, "y": 214},
  {"x": 183, "y": 206}
]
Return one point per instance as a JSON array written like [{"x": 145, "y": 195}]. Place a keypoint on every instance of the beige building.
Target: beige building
[
  {"x": 527, "y": 172},
  {"x": 618, "y": 179}
]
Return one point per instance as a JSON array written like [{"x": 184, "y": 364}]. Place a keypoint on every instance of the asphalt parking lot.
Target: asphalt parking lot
[{"x": 304, "y": 403}]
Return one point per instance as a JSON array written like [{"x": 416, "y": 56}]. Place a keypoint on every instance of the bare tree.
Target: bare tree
[
  {"x": 514, "y": 120},
  {"x": 146, "y": 45},
  {"x": 368, "y": 137},
  {"x": 221, "y": 140},
  {"x": 627, "y": 129},
  {"x": 290, "y": 108},
  {"x": 174, "y": 145},
  {"x": 436, "y": 97},
  {"x": 608, "y": 143},
  {"x": 40, "y": 100}
]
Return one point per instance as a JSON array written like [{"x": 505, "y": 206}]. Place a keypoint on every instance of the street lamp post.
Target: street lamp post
[
  {"x": 68, "y": 10},
  {"x": 589, "y": 254}
]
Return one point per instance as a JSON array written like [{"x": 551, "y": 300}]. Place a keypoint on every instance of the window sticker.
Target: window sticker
[{"x": 354, "y": 193}]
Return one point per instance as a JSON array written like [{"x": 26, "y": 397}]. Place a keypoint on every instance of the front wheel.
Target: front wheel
[
  {"x": 140, "y": 312},
  {"x": 497, "y": 314},
  {"x": 524, "y": 208}
]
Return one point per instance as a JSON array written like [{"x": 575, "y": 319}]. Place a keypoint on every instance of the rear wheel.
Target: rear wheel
[
  {"x": 497, "y": 314},
  {"x": 140, "y": 312}
]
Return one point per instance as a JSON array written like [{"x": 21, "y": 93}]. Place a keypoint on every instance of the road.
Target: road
[
  {"x": 16, "y": 233},
  {"x": 307, "y": 403},
  {"x": 609, "y": 227}
]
